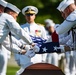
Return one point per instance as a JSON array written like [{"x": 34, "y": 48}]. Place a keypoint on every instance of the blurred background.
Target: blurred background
[{"x": 47, "y": 9}]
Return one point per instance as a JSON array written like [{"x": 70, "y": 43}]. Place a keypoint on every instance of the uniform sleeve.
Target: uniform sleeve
[
  {"x": 6, "y": 43},
  {"x": 15, "y": 48},
  {"x": 64, "y": 40},
  {"x": 14, "y": 27},
  {"x": 65, "y": 27},
  {"x": 17, "y": 42},
  {"x": 70, "y": 41}
]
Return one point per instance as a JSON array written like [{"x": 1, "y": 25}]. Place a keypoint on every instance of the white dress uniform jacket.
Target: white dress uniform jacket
[
  {"x": 35, "y": 30},
  {"x": 67, "y": 24},
  {"x": 7, "y": 24}
]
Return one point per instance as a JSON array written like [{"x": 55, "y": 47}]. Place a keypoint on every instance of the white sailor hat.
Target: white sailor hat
[
  {"x": 3, "y": 3},
  {"x": 64, "y": 4},
  {"x": 49, "y": 22},
  {"x": 13, "y": 7},
  {"x": 29, "y": 10}
]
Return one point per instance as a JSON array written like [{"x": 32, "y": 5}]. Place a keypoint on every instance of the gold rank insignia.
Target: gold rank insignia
[
  {"x": 29, "y": 11},
  {"x": 38, "y": 33}
]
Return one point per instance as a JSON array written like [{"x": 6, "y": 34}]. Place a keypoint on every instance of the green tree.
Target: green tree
[{"x": 47, "y": 9}]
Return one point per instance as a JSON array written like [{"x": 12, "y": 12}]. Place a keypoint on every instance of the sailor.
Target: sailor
[
  {"x": 68, "y": 10},
  {"x": 52, "y": 58},
  {"x": 69, "y": 21},
  {"x": 8, "y": 23},
  {"x": 33, "y": 28},
  {"x": 7, "y": 53}
]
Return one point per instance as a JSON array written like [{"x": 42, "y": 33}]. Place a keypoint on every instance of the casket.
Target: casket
[{"x": 42, "y": 69}]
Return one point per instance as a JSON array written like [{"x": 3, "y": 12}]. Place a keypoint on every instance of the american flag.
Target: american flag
[
  {"x": 47, "y": 47},
  {"x": 38, "y": 40}
]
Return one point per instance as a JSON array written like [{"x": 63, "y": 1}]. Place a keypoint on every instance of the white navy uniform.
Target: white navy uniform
[
  {"x": 7, "y": 24},
  {"x": 7, "y": 53},
  {"x": 69, "y": 22},
  {"x": 65, "y": 27},
  {"x": 70, "y": 67},
  {"x": 52, "y": 58},
  {"x": 11, "y": 25},
  {"x": 35, "y": 30},
  {"x": 63, "y": 39}
]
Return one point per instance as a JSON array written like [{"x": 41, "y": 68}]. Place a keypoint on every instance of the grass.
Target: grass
[{"x": 11, "y": 70}]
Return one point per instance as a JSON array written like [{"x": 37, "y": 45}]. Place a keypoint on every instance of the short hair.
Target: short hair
[{"x": 6, "y": 10}]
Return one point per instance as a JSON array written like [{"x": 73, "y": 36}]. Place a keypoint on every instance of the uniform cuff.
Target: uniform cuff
[{"x": 62, "y": 48}]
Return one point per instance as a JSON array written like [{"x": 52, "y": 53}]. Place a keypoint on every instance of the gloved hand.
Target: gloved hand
[
  {"x": 36, "y": 48},
  {"x": 27, "y": 47},
  {"x": 22, "y": 51},
  {"x": 30, "y": 53}
]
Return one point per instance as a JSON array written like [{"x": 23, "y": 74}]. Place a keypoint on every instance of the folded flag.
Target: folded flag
[
  {"x": 46, "y": 47},
  {"x": 50, "y": 47}
]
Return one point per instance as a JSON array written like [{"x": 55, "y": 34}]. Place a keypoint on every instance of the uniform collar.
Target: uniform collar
[{"x": 31, "y": 23}]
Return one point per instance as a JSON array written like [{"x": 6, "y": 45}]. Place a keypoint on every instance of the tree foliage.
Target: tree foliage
[{"x": 47, "y": 9}]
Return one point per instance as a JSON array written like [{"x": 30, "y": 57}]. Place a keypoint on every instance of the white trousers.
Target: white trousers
[
  {"x": 39, "y": 58},
  {"x": 52, "y": 58},
  {"x": 70, "y": 66},
  {"x": 3, "y": 60}
]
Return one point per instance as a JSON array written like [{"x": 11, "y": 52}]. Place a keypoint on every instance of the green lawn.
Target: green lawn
[{"x": 11, "y": 70}]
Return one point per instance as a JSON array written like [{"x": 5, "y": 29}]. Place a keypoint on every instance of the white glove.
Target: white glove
[
  {"x": 62, "y": 48},
  {"x": 27, "y": 47},
  {"x": 30, "y": 53},
  {"x": 36, "y": 48}
]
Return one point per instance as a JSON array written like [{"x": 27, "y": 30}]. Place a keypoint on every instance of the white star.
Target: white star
[
  {"x": 55, "y": 48},
  {"x": 44, "y": 49}
]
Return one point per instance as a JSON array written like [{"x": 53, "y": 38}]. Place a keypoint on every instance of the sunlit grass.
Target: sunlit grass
[{"x": 11, "y": 70}]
